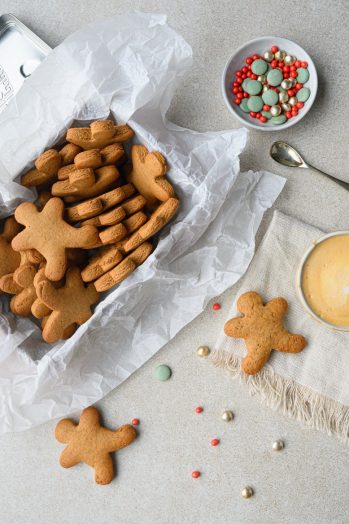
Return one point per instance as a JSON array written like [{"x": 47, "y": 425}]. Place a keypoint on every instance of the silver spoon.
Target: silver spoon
[{"x": 286, "y": 155}]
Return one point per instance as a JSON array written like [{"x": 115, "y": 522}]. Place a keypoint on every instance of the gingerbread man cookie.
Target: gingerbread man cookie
[
  {"x": 148, "y": 176},
  {"x": 91, "y": 443},
  {"x": 47, "y": 232},
  {"x": 46, "y": 168},
  {"x": 100, "y": 134},
  {"x": 21, "y": 285},
  {"x": 262, "y": 329},
  {"x": 85, "y": 183},
  {"x": 69, "y": 304},
  {"x": 9, "y": 259}
]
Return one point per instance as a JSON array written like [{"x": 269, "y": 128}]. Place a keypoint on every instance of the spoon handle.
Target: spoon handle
[{"x": 340, "y": 182}]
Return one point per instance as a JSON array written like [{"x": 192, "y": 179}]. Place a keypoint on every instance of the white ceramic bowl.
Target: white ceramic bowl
[
  {"x": 259, "y": 46},
  {"x": 299, "y": 278}
]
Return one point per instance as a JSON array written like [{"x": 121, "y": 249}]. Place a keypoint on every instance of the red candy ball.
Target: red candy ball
[
  {"x": 240, "y": 95},
  {"x": 246, "y": 95},
  {"x": 195, "y": 474},
  {"x": 199, "y": 409},
  {"x": 288, "y": 114},
  {"x": 239, "y": 80},
  {"x": 244, "y": 69},
  {"x": 215, "y": 442},
  {"x": 293, "y": 68},
  {"x": 235, "y": 90},
  {"x": 243, "y": 76},
  {"x": 300, "y": 105},
  {"x": 249, "y": 60},
  {"x": 298, "y": 86},
  {"x": 290, "y": 92},
  {"x": 258, "y": 115},
  {"x": 304, "y": 64},
  {"x": 293, "y": 74},
  {"x": 235, "y": 84},
  {"x": 297, "y": 63},
  {"x": 248, "y": 74},
  {"x": 286, "y": 68},
  {"x": 266, "y": 107},
  {"x": 280, "y": 63},
  {"x": 255, "y": 57},
  {"x": 274, "y": 49},
  {"x": 253, "y": 114},
  {"x": 217, "y": 306},
  {"x": 238, "y": 73},
  {"x": 286, "y": 75},
  {"x": 135, "y": 422},
  {"x": 273, "y": 64},
  {"x": 263, "y": 119},
  {"x": 237, "y": 101},
  {"x": 253, "y": 76}
]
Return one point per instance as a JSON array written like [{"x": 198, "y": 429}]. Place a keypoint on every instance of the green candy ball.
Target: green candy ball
[
  {"x": 303, "y": 94},
  {"x": 244, "y": 105},
  {"x": 266, "y": 114},
  {"x": 302, "y": 75},
  {"x": 277, "y": 120},
  {"x": 163, "y": 372},
  {"x": 245, "y": 84}
]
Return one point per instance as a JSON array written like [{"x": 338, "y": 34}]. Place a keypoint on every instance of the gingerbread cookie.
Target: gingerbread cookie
[
  {"x": 46, "y": 168},
  {"x": 262, "y": 329},
  {"x": 116, "y": 215},
  {"x": 148, "y": 176},
  {"x": 68, "y": 153},
  {"x": 100, "y": 134},
  {"x": 105, "y": 260},
  {"x": 47, "y": 232},
  {"x": 9, "y": 259},
  {"x": 67, "y": 333},
  {"x": 69, "y": 304},
  {"x": 84, "y": 183},
  {"x": 94, "y": 206},
  {"x": 95, "y": 158},
  {"x": 20, "y": 283},
  {"x": 91, "y": 443},
  {"x": 161, "y": 216},
  {"x": 122, "y": 270}
]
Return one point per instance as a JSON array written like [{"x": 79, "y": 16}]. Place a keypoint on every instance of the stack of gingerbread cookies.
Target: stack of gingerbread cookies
[{"x": 90, "y": 227}]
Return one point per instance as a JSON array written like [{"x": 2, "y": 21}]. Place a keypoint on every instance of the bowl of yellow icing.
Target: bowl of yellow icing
[{"x": 323, "y": 280}]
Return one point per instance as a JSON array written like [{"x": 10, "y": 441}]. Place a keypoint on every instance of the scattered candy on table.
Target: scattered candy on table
[
  {"x": 135, "y": 422},
  {"x": 247, "y": 492},
  {"x": 215, "y": 442},
  {"x": 203, "y": 351},
  {"x": 227, "y": 415},
  {"x": 199, "y": 409},
  {"x": 271, "y": 87},
  {"x": 195, "y": 474},
  {"x": 216, "y": 306},
  {"x": 278, "y": 445},
  {"x": 163, "y": 372}
]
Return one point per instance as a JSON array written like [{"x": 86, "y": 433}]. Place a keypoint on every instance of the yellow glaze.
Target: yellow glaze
[{"x": 325, "y": 280}]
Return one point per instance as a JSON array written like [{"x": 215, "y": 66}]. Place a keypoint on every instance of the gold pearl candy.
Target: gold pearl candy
[
  {"x": 262, "y": 79},
  {"x": 286, "y": 84},
  {"x": 283, "y": 97},
  {"x": 227, "y": 415},
  {"x": 247, "y": 492},
  {"x": 203, "y": 351},
  {"x": 293, "y": 101},
  {"x": 278, "y": 445},
  {"x": 265, "y": 88},
  {"x": 268, "y": 56},
  {"x": 286, "y": 107},
  {"x": 293, "y": 81},
  {"x": 280, "y": 55},
  {"x": 289, "y": 60},
  {"x": 275, "y": 110}
]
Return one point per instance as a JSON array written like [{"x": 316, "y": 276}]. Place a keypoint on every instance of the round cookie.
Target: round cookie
[
  {"x": 270, "y": 97},
  {"x": 277, "y": 120},
  {"x": 275, "y": 77},
  {"x": 303, "y": 94},
  {"x": 244, "y": 105},
  {"x": 253, "y": 87},
  {"x": 255, "y": 103},
  {"x": 302, "y": 75},
  {"x": 259, "y": 66}
]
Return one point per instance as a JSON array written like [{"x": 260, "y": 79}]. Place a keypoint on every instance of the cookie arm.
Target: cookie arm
[
  {"x": 69, "y": 458},
  {"x": 120, "y": 438},
  {"x": 236, "y": 327},
  {"x": 64, "y": 430},
  {"x": 290, "y": 343}
]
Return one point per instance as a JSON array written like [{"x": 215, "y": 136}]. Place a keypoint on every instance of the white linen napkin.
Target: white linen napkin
[{"x": 311, "y": 386}]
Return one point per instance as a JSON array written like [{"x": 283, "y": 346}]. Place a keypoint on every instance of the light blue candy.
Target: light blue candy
[
  {"x": 277, "y": 120},
  {"x": 259, "y": 66},
  {"x": 253, "y": 87},
  {"x": 244, "y": 105},
  {"x": 267, "y": 114},
  {"x": 270, "y": 97},
  {"x": 245, "y": 84},
  {"x": 255, "y": 103},
  {"x": 303, "y": 94},
  {"x": 302, "y": 75},
  {"x": 163, "y": 372},
  {"x": 275, "y": 77}
]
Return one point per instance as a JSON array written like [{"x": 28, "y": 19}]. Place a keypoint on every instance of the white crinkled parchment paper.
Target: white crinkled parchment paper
[{"x": 128, "y": 66}]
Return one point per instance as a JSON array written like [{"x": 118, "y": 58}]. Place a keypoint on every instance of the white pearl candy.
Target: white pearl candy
[
  {"x": 283, "y": 97},
  {"x": 268, "y": 56},
  {"x": 247, "y": 492},
  {"x": 286, "y": 84},
  {"x": 278, "y": 445},
  {"x": 227, "y": 415},
  {"x": 275, "y": 110},
  {"x": 280, "y": 55},
  {"x": 286, "y": 107},
  {"x": 203, "y": 351},
  {"x": 289, "y": 60},
  {"x": 293, "y": 101}
]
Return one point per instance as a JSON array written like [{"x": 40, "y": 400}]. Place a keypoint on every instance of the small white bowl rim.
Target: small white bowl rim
[
  {"x": 288, "y": 123},
  {"x": 299, "y": 281}
]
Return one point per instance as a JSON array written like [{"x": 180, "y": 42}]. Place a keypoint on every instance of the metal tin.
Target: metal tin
[{"x": 21, "y": 52}]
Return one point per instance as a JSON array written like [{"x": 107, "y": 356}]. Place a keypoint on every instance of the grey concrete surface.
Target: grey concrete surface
[{"x": 308, "y": 482}]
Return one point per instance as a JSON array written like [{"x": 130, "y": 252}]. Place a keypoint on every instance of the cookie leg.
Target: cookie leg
[
  {"x": 257, "y": 356},
  {"x": 104, "y": 470},
  {"x": 68, "y": 458},
  {"x": 290, "y": 343}
]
